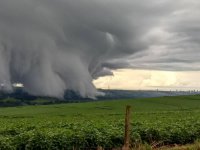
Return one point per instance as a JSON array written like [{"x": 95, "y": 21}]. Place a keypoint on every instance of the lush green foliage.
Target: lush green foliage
[{"x": 167, "y": 120}]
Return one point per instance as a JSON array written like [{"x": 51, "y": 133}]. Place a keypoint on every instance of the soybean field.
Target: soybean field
[{"x": 154, "y": 121}]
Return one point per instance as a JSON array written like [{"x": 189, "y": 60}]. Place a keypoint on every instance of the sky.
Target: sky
[
  {"x": 52, "y": 46},
  {"x": 150, "y": 80}
]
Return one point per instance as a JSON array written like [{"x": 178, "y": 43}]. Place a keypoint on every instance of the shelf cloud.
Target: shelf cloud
[{"x": 50, "y": 46}]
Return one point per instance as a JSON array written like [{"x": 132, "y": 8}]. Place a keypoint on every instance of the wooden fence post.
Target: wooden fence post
[{"x": 127, "y": 128}]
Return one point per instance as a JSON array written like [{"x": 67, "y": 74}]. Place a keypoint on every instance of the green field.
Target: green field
[{"x": 165, "y": 121}]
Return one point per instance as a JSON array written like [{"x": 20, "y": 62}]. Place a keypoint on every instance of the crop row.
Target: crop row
[{"x": 63, "y": 135}]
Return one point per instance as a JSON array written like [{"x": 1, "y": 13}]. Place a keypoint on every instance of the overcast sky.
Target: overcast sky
[
  {"x": 173, "y": 50},
  {"x": 50, "y": 46}
]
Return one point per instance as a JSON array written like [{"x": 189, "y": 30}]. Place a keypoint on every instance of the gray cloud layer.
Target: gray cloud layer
[{"x": 51, "y": 46}]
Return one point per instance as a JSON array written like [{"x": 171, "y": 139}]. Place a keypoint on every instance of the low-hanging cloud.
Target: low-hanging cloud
[{"x": 50, "y": 46}]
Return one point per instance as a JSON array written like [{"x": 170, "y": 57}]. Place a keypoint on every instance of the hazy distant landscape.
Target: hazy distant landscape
[{"x": 19, "y": 97}]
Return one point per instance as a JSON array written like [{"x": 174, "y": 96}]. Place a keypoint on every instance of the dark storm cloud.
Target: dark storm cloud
[
  {"x": 51, "y": 46},
  {"x": 174, "y": 43}
]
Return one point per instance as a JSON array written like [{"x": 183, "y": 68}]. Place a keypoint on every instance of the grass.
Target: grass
[{"x": 194, "y": 146}]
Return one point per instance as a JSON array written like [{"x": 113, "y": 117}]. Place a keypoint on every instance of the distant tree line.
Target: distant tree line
[{"x": 19, "y": 97}]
